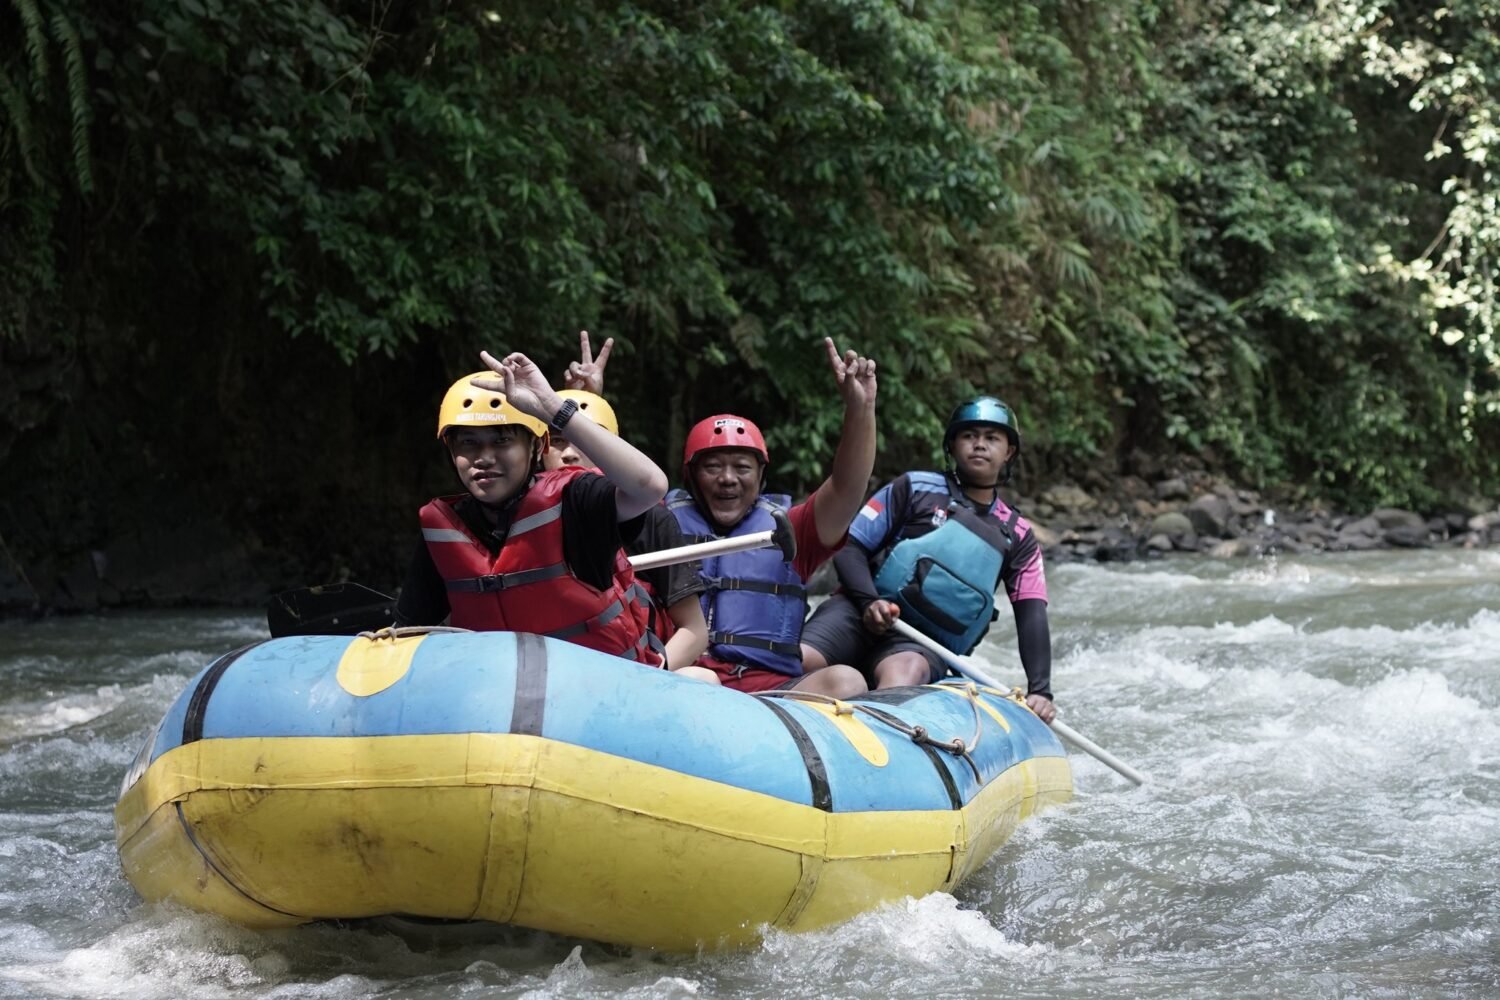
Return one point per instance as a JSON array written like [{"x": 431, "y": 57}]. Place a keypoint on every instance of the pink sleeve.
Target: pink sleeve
[{"x": 1028, "y": 580}]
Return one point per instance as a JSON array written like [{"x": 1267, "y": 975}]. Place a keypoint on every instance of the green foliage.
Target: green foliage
[{"x": 1263, "y": 235}]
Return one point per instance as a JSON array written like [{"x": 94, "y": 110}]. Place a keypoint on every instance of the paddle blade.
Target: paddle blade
[{"x": 332, "y": 609}]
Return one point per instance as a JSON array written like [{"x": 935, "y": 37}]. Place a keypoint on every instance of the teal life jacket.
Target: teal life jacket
[{"x": 945, "y": 581}]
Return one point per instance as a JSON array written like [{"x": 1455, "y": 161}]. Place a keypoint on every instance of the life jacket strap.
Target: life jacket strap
[
  {"x": 504, "y": 581},
  {"x": 603, "y": 618},
  {"x": 754, "y": 642},
  {"x": 713, "y": 583}
]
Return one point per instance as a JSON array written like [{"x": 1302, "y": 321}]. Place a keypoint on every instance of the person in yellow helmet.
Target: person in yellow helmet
[
  {"x": 526, "y": 548},
  {"x": 669, "y": 593}
]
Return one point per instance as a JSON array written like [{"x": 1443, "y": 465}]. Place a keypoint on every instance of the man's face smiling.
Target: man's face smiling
[
  {"x": 981, "y": 452},
  {"x": 492, "y": 462},
  {"x": 727, "y": 481}
]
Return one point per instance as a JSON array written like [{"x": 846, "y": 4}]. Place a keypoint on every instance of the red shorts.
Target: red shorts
[{"x": 740, "y": 677}]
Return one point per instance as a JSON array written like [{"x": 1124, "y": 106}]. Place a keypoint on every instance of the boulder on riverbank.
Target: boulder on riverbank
[{"x": 1195, "y": 514}]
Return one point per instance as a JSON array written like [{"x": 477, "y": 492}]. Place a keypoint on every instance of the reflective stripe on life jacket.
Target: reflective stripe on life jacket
[
  {"x": 755, "y": 601},
  {"x": 527, "y": 586}
]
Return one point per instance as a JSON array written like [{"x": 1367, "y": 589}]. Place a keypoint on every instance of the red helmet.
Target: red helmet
[{"x": 724, "y": 430}]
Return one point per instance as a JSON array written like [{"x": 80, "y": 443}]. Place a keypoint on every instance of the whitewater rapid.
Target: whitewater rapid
[{"x": 1322, "y": 817}]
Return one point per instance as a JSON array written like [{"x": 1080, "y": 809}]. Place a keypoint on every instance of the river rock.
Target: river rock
[
  {"x": 1233, "y": 548},
  {"x": 1408, "y": 536},
  {"x": 1068, "y": 498},
  {"x": 1354, "y": 542},
  {"x": 1045, "y": 536},
  {"x": 1175, "y": 488},
  {"x": 1394, "y": 517},
  {"x": 1187, "y": 543},
  {"x": 1210, "y": 516},
  {"x": 1484, "y": 522},
  {"x": 1366, "y": 527},
  {"x": 1159, "y": 543},
  {"x": 1172, "y": 524}
]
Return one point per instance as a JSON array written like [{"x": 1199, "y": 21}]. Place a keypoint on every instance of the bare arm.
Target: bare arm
[
  {"x": 691, "y": 637},
  {"x": 843, "y": 492},
  {"x": 639, "y": 483}
]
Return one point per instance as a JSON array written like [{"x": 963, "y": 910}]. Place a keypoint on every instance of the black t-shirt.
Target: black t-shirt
[
  {"x": 657, "y": 529},
  {"x": 592, "y": 534}
]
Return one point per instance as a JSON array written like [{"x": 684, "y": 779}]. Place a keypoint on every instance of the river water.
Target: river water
[{"x": 1323, "y": 819}]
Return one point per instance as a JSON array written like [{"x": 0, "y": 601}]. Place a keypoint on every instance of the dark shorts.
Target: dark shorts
[{"x": 837, "y": 630}]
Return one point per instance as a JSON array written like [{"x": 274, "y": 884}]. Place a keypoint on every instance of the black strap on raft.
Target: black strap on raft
[
  {"x": 754, "y": 642},
  {"x": 504, "y": 581},
  {"x": 754, "y": 586}
]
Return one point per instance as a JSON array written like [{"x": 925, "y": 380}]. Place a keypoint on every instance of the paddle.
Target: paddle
[
  {"x": 351, "y": 608},
  {"x": 968, "y": 668},
  {"x": 330, "y": 609}
]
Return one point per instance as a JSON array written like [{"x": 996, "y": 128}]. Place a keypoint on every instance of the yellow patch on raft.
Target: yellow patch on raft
[
  {"x": 369, "y": 666},
  {"x": 525, "y": 830}
]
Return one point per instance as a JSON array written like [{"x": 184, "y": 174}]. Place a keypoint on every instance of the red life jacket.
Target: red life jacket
[
  {"x": 652, "y": 612},
  {"x": 641, "y": 600},
  {"x": 527, "y": 586}
]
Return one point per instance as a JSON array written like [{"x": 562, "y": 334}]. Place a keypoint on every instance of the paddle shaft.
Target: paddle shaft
[
  {"x": 966, "y": 666},
  {"x": 717, "y": 547}
]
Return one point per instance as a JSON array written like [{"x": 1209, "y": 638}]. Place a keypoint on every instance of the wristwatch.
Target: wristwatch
[{"x": 563, "y": 415}]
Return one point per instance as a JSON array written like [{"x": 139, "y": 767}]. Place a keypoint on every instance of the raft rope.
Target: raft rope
[
  {"x": 394, "y": 632},
  {"x": 917, "y": 734}
]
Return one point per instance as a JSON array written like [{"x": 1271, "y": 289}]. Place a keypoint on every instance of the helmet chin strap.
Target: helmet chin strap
[
  {"x": 958, "y": 475},
  {"x": 982, "y": 486}
]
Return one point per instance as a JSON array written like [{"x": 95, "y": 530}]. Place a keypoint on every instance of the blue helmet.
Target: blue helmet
[{"x": 985, "y": 410}]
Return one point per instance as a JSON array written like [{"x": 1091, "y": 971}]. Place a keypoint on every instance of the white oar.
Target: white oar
[
  {"x": 781, "y": 537},
  {"x": 349, "y": 608},
  {"x": 966, "y": 666}
]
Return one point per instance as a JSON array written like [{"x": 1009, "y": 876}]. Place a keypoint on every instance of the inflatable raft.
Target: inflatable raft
[{"x": 506, "y": 777}]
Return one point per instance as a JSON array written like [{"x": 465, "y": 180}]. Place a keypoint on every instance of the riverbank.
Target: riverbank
[
  {"x": 1196, "y": 513},
  {"x": 208, "y": 563}
]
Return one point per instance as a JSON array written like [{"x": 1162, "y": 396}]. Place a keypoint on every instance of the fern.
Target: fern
[
  {"x": 78, "y": 100},
  {"x": 19, "y": 113},
  {"x": 36, "y": 45}
]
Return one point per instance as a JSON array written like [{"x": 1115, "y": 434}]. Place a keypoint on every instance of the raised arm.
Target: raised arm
[
  {"x": 843, "y": 492},
  {"x": 639, "y": 483}
]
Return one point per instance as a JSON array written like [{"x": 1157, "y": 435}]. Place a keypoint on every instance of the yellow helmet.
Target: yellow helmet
[
  {"x": 465, "y": 405},
  {"x": 596, "y": 408}
]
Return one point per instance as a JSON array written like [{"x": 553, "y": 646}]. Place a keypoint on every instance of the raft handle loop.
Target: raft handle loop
[
  {"x": 394, "y": 632},
  {"x": 973, "y": 692},
  {"x": 839, "y": 707},
  {"x": 917, "y": 734}
]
